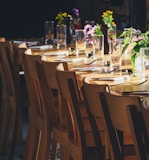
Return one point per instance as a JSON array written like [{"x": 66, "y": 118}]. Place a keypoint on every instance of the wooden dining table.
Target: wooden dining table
[{"x": 121, "y": 81}]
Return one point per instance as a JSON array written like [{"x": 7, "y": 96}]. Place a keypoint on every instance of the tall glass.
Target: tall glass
[
  {"x": 98, "y": 48},
  {"x": 115, "y": 54},
  {"x": 80, "y": 42},
  {"x": 61, "y": 33},
  {"x": 49, "y": 32}
]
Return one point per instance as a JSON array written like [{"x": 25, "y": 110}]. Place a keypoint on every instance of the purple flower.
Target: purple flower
[
  {"x": 75, "y": 12},
  {"x": 88, "y": 30},
  {"x": 136, "y": 39}
]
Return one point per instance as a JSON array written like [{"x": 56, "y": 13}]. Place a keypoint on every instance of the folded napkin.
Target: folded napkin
[
  {"x": 28, "y": 43},
  {"x": 56, "y": 53},
  {"x": 109, "y": 79},
  {"x": 89, "y": 69},
  {"x": 43, "y": 47},
  {"x": 70, "y": 59}
]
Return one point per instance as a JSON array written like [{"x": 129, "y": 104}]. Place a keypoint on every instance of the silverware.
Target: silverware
[
  {"x": 140, "y": 82},
  {"x": 94, "y": 60},
  {"x": 109, "y": 79},
  {"x": 136, "y": 93}
]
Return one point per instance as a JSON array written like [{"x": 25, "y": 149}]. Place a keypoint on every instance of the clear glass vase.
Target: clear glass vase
[{"x": 61, "y": 32}]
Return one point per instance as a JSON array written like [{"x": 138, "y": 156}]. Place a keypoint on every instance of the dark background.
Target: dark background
[{"x": 25, "y": 18}]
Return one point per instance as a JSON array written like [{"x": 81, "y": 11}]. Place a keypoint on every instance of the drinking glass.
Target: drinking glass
[
  {"x": 49, "y": 32},
  {"x": 98, "y": 48},
  {"x": 115, "y": 54},
  {"x": 61, "y": 32},
  {"x": 80, "y": 42}
]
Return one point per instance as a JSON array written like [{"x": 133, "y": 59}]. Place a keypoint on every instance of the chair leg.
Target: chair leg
[
  {"x": 106, "y": 148},
  {"x": 19, "y": 139},
  {"x": 53, "y": 150}
]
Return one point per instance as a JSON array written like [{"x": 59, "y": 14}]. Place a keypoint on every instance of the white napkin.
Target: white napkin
[{"x": 43, "y": 47}]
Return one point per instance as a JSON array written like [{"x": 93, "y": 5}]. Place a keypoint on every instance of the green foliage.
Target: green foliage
[{"x": 61, "y": 17}]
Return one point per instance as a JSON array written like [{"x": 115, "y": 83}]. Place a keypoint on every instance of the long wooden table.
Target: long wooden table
[{"x": 120, "y": 81}]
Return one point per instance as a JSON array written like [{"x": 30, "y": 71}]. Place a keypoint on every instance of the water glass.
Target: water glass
[
  {"x": 80, "y": 42},
  {"x": 142, "y": 63},
  {"x": 98, "y": 48},
  {"x": 61, "y": 33},
  {"x": 115, "y": 54},
  {"x": 49, "y": 32}
]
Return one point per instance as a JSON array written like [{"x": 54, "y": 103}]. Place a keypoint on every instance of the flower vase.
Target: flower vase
[
  {"x": 111, "y": 34},
  {"x": 61, "y": 32},
  {"x": 111, "y": 38},
  {"x": 69, "y": 31},
  {"x": 136, "y": 66}
]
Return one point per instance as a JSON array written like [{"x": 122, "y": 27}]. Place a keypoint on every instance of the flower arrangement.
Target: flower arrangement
[
  {"x": 76, "y": 13},
  {"x": 75, "y": 22},
  {"x": 108, "y": 19},
  {"x": 134, "y": 40},
  {"x": 90, "y": 30},
  {"x": 61, "y": 17}
]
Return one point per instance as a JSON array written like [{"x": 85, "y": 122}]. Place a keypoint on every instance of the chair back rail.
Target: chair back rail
[
  {"x": 39, "y": 133},
  {"x": 10, "y": 100}
]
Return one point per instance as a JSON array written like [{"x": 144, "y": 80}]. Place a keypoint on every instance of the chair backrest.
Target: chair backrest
[
  {"x": 117, "y": 122},
  {"x": 139, "y": 126},
  {"x": 38, "y": 139},
  {"x": 10, "y": 100},
  {"x": 145, "y": 120},
  {"x": 90, "y": 94},
  {"x": 70, "y": 91},
  {"x": 75, "y": 129},
  {"x": 49, "y": 69}
]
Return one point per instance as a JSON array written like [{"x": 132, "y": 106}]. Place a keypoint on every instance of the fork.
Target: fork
[{"x": 94, "y": 60}]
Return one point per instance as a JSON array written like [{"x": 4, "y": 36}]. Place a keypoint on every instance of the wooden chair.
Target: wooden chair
[
  {"x": 116, "y": 122},
  {"x": 139, "y": 126},
  {"x": 23, "y": 91},
  {"x": 79, "y": 138},
  {"x": 29, "y": 148},
  {"x": 37, "y": 145},
  {"x": 9, "y": 117},
  {"x": 59, "y": 125},
  {"x": 91, "y": 99}
]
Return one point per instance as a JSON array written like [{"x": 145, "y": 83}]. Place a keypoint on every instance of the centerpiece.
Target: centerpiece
[
  {"x": 63, "y": 29},
  {"x": 71, "y": 21},
  {"x": 108, "y": 19},
  {"x": 94, "y": 41},
  {"x": 114, "y": 44},
  {"x": 134, "y": 40}
]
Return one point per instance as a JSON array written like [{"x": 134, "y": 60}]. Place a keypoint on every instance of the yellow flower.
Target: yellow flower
[
  {"x": 61, "y": 17},
  {"x": 107, "y": 17}
]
